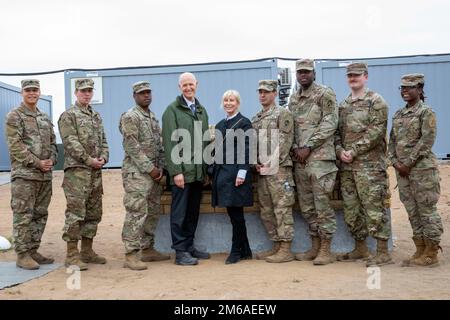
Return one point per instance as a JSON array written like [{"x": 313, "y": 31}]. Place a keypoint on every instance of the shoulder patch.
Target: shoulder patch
[{"x": 286, "y": 122}]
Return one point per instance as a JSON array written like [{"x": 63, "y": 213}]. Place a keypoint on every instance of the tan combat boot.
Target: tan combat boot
[
  {"x": 73, "y": 256},
  {"x": 150, "y": 254},
  {"x": 283, "y": 255},
  {"x": 429, "y": 256},
  {"x": 312, "y": 253},
  {"x": 132, "y": 262},
  {"x": 325, "y": 256},
  {"x": 88, "y": 255},
  {"x": 25, "y": 261},
  {"x": 382, "y": 257},
  {"x": 420, "y": 248},
  {"x": 360, "y": 252},
  {"x": 39, "y": 258},
  {"x": 265, "y": 254}
]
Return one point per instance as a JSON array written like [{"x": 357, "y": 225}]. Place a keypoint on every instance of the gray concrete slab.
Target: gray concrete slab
[
  {"x": 10, "y": 275},
  {"x": 214, "y": 234},
  {"x": 5, "y": 178}
]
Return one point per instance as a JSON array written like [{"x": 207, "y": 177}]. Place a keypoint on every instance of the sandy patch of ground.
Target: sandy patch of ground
[{"x": 212, "y": 279}]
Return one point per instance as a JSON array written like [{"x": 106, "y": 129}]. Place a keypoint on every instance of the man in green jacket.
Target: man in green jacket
[{"x": 184, "y": 123}]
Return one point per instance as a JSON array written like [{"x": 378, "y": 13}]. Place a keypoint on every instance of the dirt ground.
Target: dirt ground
[{"x": 212, "y": 279}]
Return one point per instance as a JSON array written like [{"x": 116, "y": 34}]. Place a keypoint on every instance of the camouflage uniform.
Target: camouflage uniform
[
  {"x": 276, "y": 191},
  {"x": 362, "y": 130},
  {"x": 412, "y": 137},
  {"x": 30, "y": 138},
  {"x": 83, "y": 136},
  {"x": 315, "y": 122},
  {"x": 143, "y": 151}
]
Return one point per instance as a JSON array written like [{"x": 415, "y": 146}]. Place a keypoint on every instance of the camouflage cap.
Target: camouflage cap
[
  {"x": 30, "y": 83},
  {"x": 141, "y": 86},
  {"x": 268, "y": 85},
  {"x": 85, "y": 83},
  {"x": 304, "y": 64},
  {"x": 413, "y": 79},
  {"x": 357, "y": 68}
]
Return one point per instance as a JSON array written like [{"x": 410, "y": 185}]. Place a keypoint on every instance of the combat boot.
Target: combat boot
[
  {"x": 360, "y": 252},
  {"x": 73, "y": 256},
  {"x": 420, "y": 248},
  {"x": 265, "y": 254},
  {"x": 325, "y": 256},
  {"x": 132, "y": 262},
  {"x": 284, "y": 254},
  {"x": 88, "y": 255},
  {"x": 312, "y": 253},
  {"x": 25, "y": 261},
  {"x": 429, "y": 256},
  {"x": 150, "y": 254},
  {"x": 382, "y": 257},
  {"x": 39, "y": 258}
]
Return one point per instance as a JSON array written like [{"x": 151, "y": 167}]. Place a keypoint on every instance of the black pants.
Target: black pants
[
  {"x": 184, "y": 214},
  {"x": 239, "y": 240}
]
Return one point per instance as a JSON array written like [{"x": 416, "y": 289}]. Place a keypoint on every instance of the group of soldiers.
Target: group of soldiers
[
  {"x": 317, "y": 139},
  {"x": 324, "y": 138}
]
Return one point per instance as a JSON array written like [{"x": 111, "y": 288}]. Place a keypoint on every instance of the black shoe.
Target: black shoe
[
  {"x": 234, "y": 257},
  {"x": 184, "y": 258},
  {"x": 246, "y": 252},
  {"x": 246, "y": 256},
  {"x": 199, "y": 254}
]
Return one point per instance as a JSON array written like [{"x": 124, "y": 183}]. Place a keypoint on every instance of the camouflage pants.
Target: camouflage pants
[
  {"x": 419, "y": 194},
  {"x": 315, "y": 184},
  {"x": 363, "y": 195},
  {"x": 29, "y": 203},
  {"x": 142, "y": 202},
  {"x": 83, "y": 190},
  {"x": 276, "y": 198}
]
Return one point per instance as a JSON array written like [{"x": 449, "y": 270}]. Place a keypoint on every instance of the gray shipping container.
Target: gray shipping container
[
  {"x": 214, "y": 79},
  {"x": 10, "y": 97},
  {"x": 384, "y": 78}
]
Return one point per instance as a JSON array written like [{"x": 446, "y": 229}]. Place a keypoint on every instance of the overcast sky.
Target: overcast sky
[{"x": 52, "y": 34}]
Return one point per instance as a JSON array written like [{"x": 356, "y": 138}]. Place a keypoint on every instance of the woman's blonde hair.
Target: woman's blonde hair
[{"x": 233, "y": 93}]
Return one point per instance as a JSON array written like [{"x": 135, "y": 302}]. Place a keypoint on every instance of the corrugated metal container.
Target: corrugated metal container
[
  {"x": 115, "y": 96},
  {"x": 384, "y": 78},
  {"x": 10, "y": 97}
]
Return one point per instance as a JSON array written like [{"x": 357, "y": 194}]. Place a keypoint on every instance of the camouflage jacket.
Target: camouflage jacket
[
  {"x": 362, "y": 130},
  {"x": 315, "y": 121},
  {"x": 412, "y": 136},
  {"x": 277, "y": 118},
  {"x": 30, "y": 139},
  {"x": 83, "y": 136},
  {"x": 141, "y": 141}
]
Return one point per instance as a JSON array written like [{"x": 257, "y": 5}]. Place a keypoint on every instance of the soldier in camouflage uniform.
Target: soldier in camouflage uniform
[
  {"x": 361, "y": 146},
  {"x": 85, "y": 153},
  {"x": 142, "y": 171},
  {"x": 315, "y": 121},
  {"x": 32, "y": 149},
  {"x": 275, "y": 182},
  {"x": 412, "y": 137}
]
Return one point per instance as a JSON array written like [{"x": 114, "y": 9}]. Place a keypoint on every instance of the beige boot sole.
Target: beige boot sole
[{"x": 126, "y": 265}]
